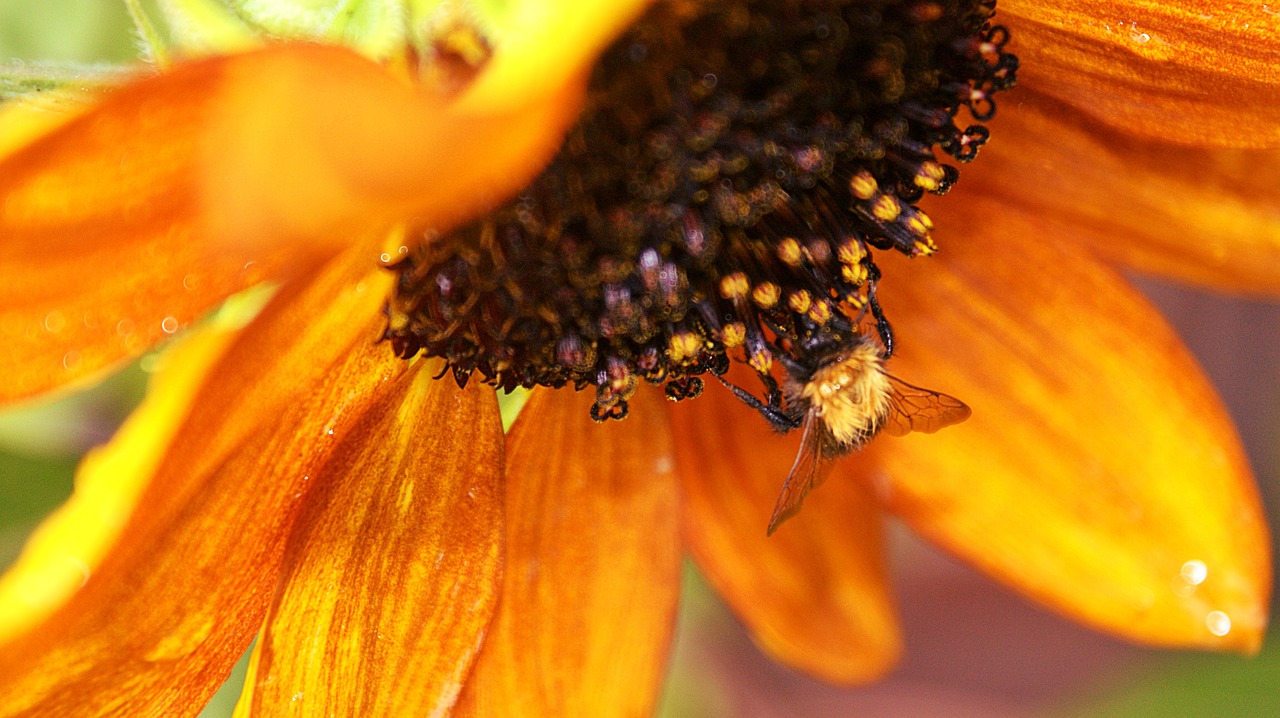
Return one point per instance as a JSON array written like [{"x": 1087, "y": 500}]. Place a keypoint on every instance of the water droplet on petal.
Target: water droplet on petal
[
  {"x": 71, "y": 359},
  {"x": 1218, "y": 623},
  {"x": 169, "y": 325},
  {"x": 1194, "y": 572},
  {"x": 55, "y": 322}
]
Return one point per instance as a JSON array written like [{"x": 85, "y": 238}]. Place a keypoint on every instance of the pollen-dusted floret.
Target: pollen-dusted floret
[{"x": 722, "y": 194}]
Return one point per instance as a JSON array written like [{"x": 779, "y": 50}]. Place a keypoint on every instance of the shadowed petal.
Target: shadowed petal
[
  {"x": 392, "y": 574},
  {"x": 184, "y": 577},
  {"x": 1207, "y": 216},
  {"x": 816, "y": 594},
  {"x": 136, "y": 217},
  {"x": 1195, "y": 71},
  {"x": 592, "y": 564},
  {"x": 1099, "y": 473}
]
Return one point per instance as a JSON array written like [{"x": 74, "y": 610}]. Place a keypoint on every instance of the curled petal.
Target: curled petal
[
  {"x": 175, "y": 584},
  {"x": 139, "y": 215},
  {"x": 1099, "y": 473},
  {"x": 1210, "y": 216},
  {"x": 815, "y": 594},
  {"x": 1199, "y": 72},
  {"x": 592, "y": 564},
  {"x": 541, "y": 44},
  {"x": 392, "y": 574}
]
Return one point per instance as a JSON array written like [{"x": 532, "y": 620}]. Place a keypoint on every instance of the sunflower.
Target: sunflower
[{"x": 291, "y": 476}]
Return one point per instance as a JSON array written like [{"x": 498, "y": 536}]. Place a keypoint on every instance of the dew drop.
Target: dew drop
[
  {"x": 71, "y": 359},
  {"x": 1218, "y": 623},
  {"x": 169, "y": 325},
  {"x": 125, "y": 327},
  {"x": 190, "y": 282},
  {"x": 1194, "y": 572},
  {"x": 55, "y": 322}
]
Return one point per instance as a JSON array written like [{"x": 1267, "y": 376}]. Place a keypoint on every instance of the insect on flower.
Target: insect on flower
[{"x": 840, "y": 395}]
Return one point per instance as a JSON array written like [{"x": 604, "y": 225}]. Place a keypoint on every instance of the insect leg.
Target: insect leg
[
  {"x": 883, "y": 328},
  {"x": 771, "y": 412}
]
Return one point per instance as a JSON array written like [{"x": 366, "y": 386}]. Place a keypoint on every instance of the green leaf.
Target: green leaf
[{"x": 1201, "y": 686}]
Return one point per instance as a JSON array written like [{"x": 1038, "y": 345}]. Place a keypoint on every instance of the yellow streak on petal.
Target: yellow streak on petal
[
  {"x": 227, "y": 171},
  {"x": 1202, "y": 72},
  {"x": 593, "y": 564},
  {"x": 1203, "y": 215},
  {"x": 541, "y": 46},
  {"x": 67, "y": 549},
  {"x": 186, "y": 583},
  {"x": 390, "y": 581},
  {"x": 1098, "y": 461}
]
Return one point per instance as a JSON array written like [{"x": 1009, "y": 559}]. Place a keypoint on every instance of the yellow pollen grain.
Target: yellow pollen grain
[
  {"x": 761, "y": 361},
  {"x": 918, "y": 226},
  {"x": 854, "y": 274},
  {"x": 820, "y": 312},
  {"x": 925, "y": 247},
  {"x": 734, "y": 286},
  {"x": 800, "y": 301},
  {"x": 766, "y": 295},
  {"x": 683, "y": 346},
  {"x": 929, "y": 176},
  {"x": 886, "y": 208},
  {"x": 789, "y": 252},
  {"x": 733, "y": 334},
  {"x": 851, "y": 251},
  {"x": 863, "y": 185}
]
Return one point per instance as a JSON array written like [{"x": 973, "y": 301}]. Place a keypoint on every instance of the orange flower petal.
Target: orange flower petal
[
  {"x": 392, "y": 574},
  {"x": 1207, "y": 216},
  {"x": 185, "y": 578},
  {"x": 138, "y": 216},
  {"x": 592, "y": 564},
  {"x": 1099, "y": 474},
  {"x": 1195, "y": 71},
  {"x": 815, "y": 595}
]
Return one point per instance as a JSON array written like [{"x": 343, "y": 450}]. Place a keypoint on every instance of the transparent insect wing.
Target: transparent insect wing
[
  {"x": 912, "y": 408},
  {"x": 808, "y": 472}
]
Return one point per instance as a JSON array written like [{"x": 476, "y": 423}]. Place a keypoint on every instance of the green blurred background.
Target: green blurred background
[{"x": 973, "y": 649}]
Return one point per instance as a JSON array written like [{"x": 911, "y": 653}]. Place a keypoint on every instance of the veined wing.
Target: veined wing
[
  {"x": 807, "y": 473},
  {"x": 912, "y": 408}
]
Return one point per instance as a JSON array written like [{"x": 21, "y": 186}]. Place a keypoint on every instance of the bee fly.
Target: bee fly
[{"x": 841, "y": 396}]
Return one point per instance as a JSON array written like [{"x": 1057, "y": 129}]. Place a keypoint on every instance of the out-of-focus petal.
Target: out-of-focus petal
[
  {"x": 1206, "y": 216},
  {"x": 1099, "y": 473},
  {"x": 175, "y": 191},
  {"x": 185, "y": 574},
  {"x": 392, "y": 574},
  {"x": 816, "y": 594},
  {"x": 542, "y": 44},
  {"x": 1196, "y": 71},
  {"x": 592, "y": 564}
]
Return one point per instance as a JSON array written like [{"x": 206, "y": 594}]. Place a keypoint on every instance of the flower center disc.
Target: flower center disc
[{"x": 720, "y": 197}]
